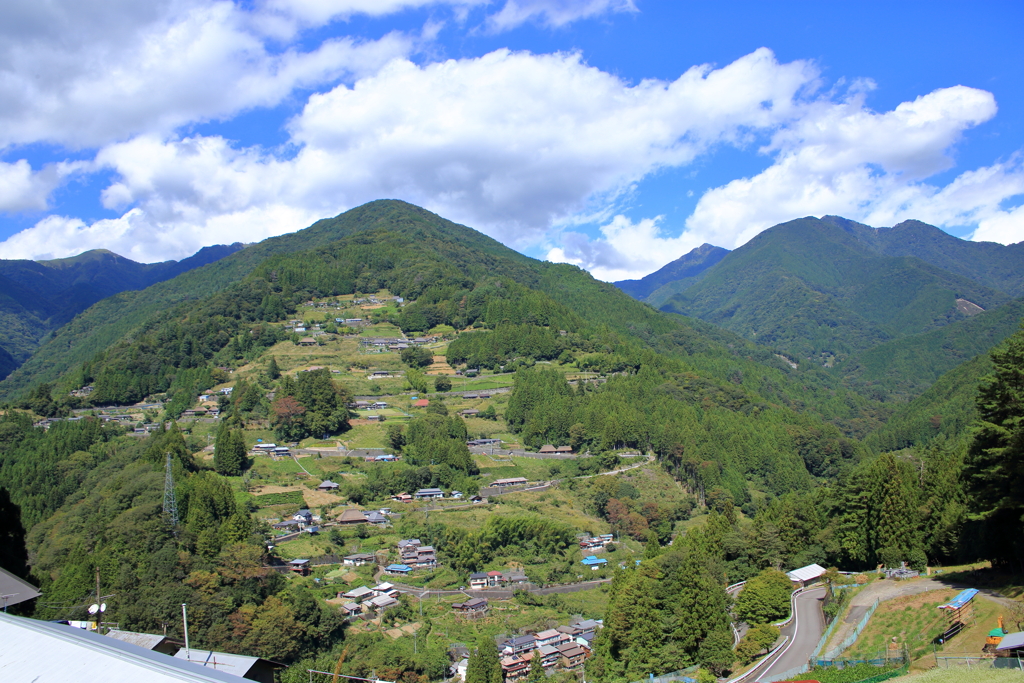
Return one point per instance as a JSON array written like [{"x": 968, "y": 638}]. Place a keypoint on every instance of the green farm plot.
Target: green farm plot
[
  {"x": 365, "y": 436},
  {"x": 382, "y": 330}
]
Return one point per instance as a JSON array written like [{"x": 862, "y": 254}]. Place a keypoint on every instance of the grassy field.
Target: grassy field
[{"x": 915, "y": 621}]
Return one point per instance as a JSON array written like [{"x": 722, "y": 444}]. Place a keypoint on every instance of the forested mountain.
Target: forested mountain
[
  {"x": 110, "y": 319},
  {"x": 686, "y": 268},
  {"x": 38, "y": 297},
  {"x": 819, "y": 287}
]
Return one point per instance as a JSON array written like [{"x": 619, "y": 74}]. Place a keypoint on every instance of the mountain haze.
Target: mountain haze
[
  {"x": 686, "y": 268},
  {"x": 38, "y": 297}
]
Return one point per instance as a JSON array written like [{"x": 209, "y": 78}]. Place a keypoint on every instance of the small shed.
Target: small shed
[
  {"x": 961, "y": 608},
  {"x": 805, "y": 576},
  {"x": 547, "y": 448},
  {"x": 420, "y": 403},
  {"x": 1012, "y": 642}
]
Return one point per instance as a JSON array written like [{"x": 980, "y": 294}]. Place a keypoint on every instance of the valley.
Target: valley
[{"x": 333, "y": 444}]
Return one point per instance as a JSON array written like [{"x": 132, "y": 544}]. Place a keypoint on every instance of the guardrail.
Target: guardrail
[{"x": 852, "y": 638}]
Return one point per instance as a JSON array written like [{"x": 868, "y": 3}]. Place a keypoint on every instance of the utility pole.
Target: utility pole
[{"x": 99, "y": 604}]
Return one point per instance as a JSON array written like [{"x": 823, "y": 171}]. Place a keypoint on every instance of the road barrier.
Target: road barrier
[{"x": 835, "y": 652}]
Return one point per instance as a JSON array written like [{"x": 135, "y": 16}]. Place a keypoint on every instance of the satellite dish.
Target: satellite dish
[{"x": 94, "y": 608}]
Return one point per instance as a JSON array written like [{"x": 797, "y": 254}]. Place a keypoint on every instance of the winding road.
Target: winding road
[{"x": 804, "y": 632}]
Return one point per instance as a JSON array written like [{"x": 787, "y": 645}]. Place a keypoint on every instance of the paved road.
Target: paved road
[{"x": 804, "y": 632}]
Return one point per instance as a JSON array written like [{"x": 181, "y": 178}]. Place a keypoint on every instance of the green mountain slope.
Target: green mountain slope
[
  {"x": 904, "y": 368},
  {"x": 822, "y": 288},
  {"x": 114, "y": 317},
  {"x": 994, "y": 265},
  {"x": 779, "y": 419},
  {"x": 37, "y": 297}
]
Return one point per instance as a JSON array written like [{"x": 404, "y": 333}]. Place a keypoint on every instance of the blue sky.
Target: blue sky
[{"x": 614, "y": 134}]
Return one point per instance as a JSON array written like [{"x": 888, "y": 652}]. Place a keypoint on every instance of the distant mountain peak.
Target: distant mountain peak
[{"x": 689, "y": 265}]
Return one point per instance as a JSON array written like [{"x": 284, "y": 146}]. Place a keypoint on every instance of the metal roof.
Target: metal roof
[
  {"x": 811, "y": 571},
  {"x": 13, "y": 590},
  {"x": 45, "y": 652},
  {"x": 150, "y": 641},
  {"x": 961, "y": 599},
  {"x": 1012, "y": 641},
  {"x": 237, "y": 665}
]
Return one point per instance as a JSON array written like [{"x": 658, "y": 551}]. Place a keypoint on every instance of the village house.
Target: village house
[
  {"x": 381, "y": 603},
  {"x": 352, "y": 516},
  {"x": 511, "y": 481},
  {"x": 358, "y": 559},
  {"x": 376, "y": 518},
  {"x": 472, "y": 608},
  {"x": 519, "y": 645},
  {"x": 327, "y": 485},
  {"x": 357, "y": 594},
  {"x": 398, "y": 569},
  {"x": 516, "y": 668},
  {"x": 478, "y": 581},
  {"x": 572, "y": 656},
  {"x": 300, "y": 567},
  {"x": 424, "y": 494}
]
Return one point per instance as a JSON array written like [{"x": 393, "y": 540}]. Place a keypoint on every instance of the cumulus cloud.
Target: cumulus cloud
[
  {"x": 626, "y": 250},
  {"x": 176, "y": 64},
  {"x": 529, "y": 147},
  {"x": 841, "y": 158},
  {"x": 22, "y": 189},
  {"x": 513, "y": 142}
]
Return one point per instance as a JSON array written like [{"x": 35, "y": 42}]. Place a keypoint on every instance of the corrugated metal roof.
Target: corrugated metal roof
[
  {"x": 1012, "y": 641},
  {"x": 150, "y": 641},
  {"x": 13, "y": 590},
  {"x": 226, "y": 662},
  {"x": 811, "y": 571},
  {"x": 45, "y": 652},
  {"x": 961, "y": 599}
]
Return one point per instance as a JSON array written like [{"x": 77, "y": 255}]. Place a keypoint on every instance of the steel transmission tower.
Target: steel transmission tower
[{"x": 170, "y": 502}]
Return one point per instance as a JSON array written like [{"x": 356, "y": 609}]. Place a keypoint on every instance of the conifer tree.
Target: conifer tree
[
  {"x": 273, "y": 371},
  {"x": 229, "y": 452},
  {"x": 994, "y": 470},
  {"x": 536, "y": 674}
]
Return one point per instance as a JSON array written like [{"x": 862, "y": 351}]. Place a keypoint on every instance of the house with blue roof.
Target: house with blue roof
[{"x": 594, "y": 562}]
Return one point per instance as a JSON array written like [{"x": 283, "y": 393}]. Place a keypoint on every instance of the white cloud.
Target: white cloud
[
  {"x": 529, "y": 147},
  {"x": 22, "y": 189},
  {"x": 841, "y": 158},
  {"x": 154, "y": 69},
  {"x": 553, "y": 13},
  {"x": 626, "y": 250},
  {"x": 513, "y": 142}
]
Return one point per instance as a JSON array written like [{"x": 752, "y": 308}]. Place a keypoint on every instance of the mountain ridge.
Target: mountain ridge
[{"x": 39, "y": 297}]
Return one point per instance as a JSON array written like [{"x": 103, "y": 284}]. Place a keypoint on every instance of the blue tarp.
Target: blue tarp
[{"x": 961, "y": 599}]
